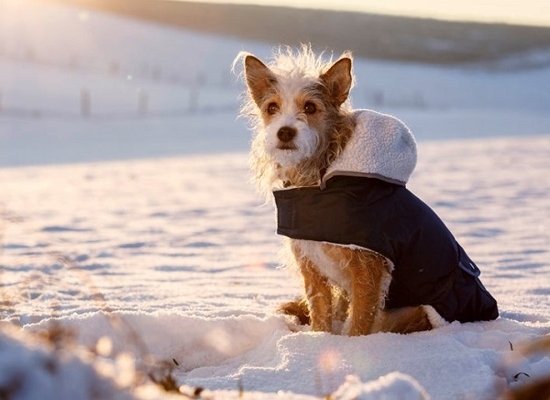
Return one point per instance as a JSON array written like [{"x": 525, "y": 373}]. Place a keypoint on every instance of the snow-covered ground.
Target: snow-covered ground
[
  {"x": 183, "y": 250},
  {"x": 154, "y": 250}
]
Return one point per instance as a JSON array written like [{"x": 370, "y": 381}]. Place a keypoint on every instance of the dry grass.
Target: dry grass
[
  {"x": 63, "y": 337},
  {"x": 530, "y": 389}
]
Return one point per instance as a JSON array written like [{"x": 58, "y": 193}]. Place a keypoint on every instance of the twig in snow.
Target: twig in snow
[{"x": 538, "y": 388}]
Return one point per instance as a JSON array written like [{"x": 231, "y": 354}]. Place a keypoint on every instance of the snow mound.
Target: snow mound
[
  {"x": 31, "y": 369},
  {"x": 192, "y": 342},
  {"x": 392, "y": 386},
  {"x": 191, "y": 278}
]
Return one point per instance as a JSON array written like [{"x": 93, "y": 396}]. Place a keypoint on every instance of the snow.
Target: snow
[
  {"x": 137, "y": 247},
  {"x": 30, "y": 371},
  {"x": 402, "y": 387},
  {"x": 184, "y": 252}
]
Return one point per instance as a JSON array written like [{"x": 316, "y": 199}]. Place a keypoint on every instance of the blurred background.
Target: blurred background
[{"x": 94, "y": 80}]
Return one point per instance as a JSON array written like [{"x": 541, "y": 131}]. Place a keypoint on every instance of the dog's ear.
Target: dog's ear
[
  {"x": 338, "y": 80},
  {"x": 259, "y": 78}
]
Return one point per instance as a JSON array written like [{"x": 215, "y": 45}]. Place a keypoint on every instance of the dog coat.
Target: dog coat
[{"x": 362, "y": 202}]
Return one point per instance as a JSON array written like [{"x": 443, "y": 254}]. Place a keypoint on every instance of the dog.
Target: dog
[{"x": 306, "y": 134}]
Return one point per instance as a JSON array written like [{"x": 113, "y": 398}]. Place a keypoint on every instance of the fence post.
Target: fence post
[
  {"x": 378, "y": 98},
  {"x": 226, "y": 79},
  {"x": 193, "y": 99},
  {"x": 85, "y": 103},
  {"x": 419, "y": 101},
  {"x": 201, "y": 78},
  {"x": 114, "y": 68},
  {"x": 143, "y": 103},
  {"x": 156, "y": 74}
]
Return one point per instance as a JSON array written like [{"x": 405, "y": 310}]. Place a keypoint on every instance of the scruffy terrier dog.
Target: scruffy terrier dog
[{"x": 303, "y": 123}]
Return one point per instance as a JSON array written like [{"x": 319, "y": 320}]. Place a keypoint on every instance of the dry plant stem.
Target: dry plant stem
[{"x": 534, "y": 391}]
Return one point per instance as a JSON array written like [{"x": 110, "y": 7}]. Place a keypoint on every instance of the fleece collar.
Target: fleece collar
[{"x": 381, "y": 147}]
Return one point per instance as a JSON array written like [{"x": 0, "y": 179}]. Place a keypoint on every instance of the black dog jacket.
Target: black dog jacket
[
  {"x": 362, "y": 201},
  {"x": 430, "y": 267}
]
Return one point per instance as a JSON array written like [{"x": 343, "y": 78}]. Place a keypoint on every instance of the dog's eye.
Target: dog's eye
[
  {"x": 310, "y": 108},
  {"x": 272, "y": 108}
]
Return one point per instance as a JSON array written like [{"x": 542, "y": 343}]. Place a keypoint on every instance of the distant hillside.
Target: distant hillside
[{"x": 368, "y": 35}]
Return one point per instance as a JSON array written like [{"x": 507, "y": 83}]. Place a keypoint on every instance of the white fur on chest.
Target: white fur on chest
[{"x": 334, "y": 270}]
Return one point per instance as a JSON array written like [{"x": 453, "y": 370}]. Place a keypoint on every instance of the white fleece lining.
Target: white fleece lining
[{"x": 381, "y": 146}]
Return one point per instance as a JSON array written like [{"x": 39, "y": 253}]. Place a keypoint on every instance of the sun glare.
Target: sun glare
[
  {"x": 330, "y": 360},
  {"x": 83, "y": 16},
  {"x": 528, "y": 12}
]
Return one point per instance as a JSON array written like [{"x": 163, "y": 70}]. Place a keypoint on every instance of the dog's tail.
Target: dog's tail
[{"x": 297, "y": 308}]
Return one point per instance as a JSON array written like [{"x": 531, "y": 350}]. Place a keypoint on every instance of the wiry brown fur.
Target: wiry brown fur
[{"x": 340, "y": 283}]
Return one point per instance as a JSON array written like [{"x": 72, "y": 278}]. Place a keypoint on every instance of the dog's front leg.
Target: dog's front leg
[
  {"x": 367, "y": 276},
  {"x": 319, "y": 296}
]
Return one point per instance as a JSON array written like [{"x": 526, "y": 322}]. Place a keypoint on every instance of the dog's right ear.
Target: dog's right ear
[{"x": 259, "y": 78}]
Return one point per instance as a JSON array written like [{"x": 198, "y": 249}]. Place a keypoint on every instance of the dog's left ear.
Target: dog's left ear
[{"x": 338, "y": 80}]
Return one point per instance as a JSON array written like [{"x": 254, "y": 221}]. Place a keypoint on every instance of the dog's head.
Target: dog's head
[{"x": 297, "y": 103}]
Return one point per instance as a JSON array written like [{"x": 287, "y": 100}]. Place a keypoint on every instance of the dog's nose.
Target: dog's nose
[{"x": 286, "y": 134}]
